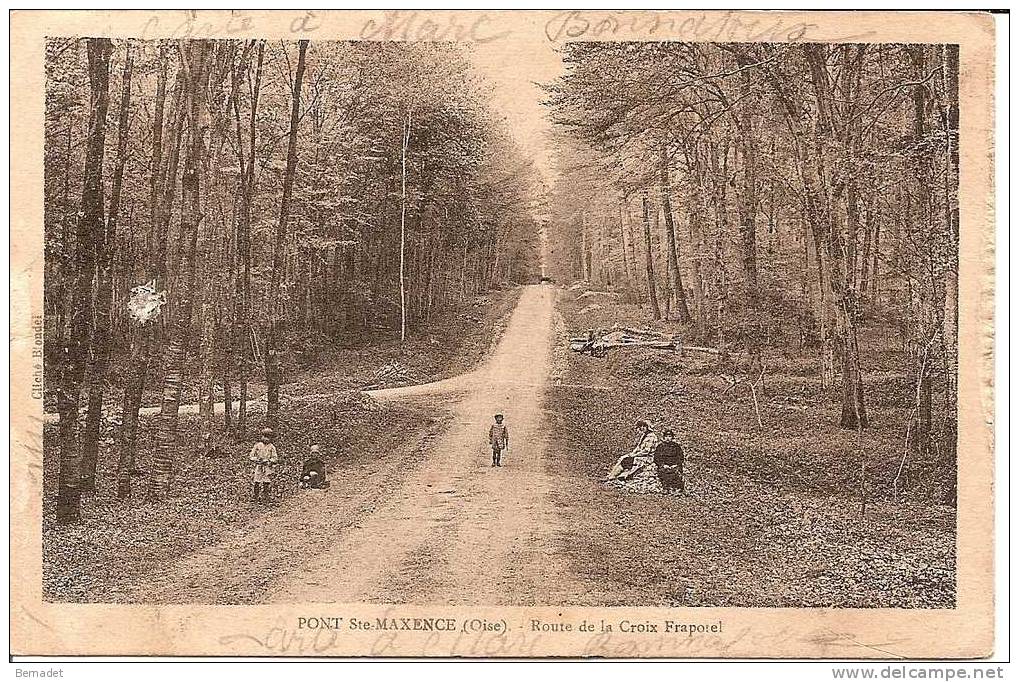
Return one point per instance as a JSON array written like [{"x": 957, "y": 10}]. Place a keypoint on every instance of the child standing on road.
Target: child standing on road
[
  {"x": 266, "y": 459},
  {"x": 498, "y": 438}
]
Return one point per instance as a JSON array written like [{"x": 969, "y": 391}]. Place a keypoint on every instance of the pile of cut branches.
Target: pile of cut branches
[{"x": 598, "y": 342}]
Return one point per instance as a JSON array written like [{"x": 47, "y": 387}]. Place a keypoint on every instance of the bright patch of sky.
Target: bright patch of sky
[{"x": 515, "y": 66}]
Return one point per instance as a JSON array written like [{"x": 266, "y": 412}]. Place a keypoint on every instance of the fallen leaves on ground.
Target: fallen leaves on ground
[
  {"x": 772, "y": 517},
  {"x": 120, "y": 545}
]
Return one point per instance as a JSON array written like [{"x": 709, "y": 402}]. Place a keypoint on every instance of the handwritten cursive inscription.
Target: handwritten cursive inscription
[
  {"x": 726, "y": 26},
  {"x": 396, "y": 25}
]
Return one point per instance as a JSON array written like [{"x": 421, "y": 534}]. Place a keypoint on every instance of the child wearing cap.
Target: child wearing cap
[
  {"x": 498, "y": 438},
  {"x": 265, "y": 457}
]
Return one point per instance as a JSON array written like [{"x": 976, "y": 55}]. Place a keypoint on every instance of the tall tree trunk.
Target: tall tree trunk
[
  {"x": 141, "y": 350},
  {"x": 808, "y": 310},
  {"x": 169, "y": 183},
  {"x": 143, "y": 335},
  {"x": 665, "y": 269},
  {"x": 243, "y": 333},
  {"x": 950, "y": 312},
  {"x": 585, "y": 263},
  {"x": 227, "y": 331},
  {"x": 403, "y": 227},
  {"x": 854, "y": 414},
  {"x": 76, "y": 338},
  {"x": 825, "y": 308},
  {"x": 698, "y": 277},
  {"x": 166, "y": 423},
  {"x": 102, "y": 333},
  {"x": 951, "y": 190},
  {"x": 852, "y": 234},
  {"x": 622, "y": 246},
  {"x": 656, "y": 311},
  {"x": 696, "y": 219},
  {"x": 747, "y": 203},
  {"x": 719, "y": 169},
  {"x": 875, "y": 267},
  {"x": 925, "y": 293},
  {"x": 273, "y": 342},
  {"x": 206, "y": 399},
  {"x": 809, "y": 167},
  {"x": 631, "y": 238},
  {"x": 670, "y": 237},
  {"x": 865, "y": 255}
]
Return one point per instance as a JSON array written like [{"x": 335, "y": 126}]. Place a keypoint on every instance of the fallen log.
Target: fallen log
[
  {"x": 643, "y": 332},
  {"x": 593, "y": 292},
  {"x": 583, "y": 345},
  {"x": 598, "y": 343},
  {"x": 669, "y": 345},
  {"x": 701, "y": 349}
]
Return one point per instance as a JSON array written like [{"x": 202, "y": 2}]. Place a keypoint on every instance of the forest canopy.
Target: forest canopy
[
  {"x": 260, "y": 196},
  {"x": 216, "y": 209},
  {"x": 769, "y": 196}
]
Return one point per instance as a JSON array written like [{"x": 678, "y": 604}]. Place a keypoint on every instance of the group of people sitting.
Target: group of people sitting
[
  {"x": 665, "y": 455},
  {"x": 267, "y": 461}
]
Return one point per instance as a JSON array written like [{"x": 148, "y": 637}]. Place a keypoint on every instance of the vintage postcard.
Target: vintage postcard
[{"x": 502, "y": 334}]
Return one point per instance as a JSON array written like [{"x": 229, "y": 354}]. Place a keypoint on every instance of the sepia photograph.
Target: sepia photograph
[{"x": 423, "y": 318}]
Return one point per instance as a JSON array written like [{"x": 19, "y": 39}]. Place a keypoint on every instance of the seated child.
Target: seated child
[{"x": 313, "y": 473}]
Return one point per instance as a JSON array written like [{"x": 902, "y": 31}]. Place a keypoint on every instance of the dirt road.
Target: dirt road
[
  {"x": 439, "y": 525},
  {"x": 418, "y": 515},
  {"x": 458, "y": 530}
]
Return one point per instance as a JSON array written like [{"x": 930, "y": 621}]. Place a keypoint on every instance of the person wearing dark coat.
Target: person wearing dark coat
[
  {"x": 313, "y": 473},
  {"x": 669, "y": 462}
]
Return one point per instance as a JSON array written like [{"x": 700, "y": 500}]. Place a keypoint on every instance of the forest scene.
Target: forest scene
[{"x": 321, "y": 325}]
